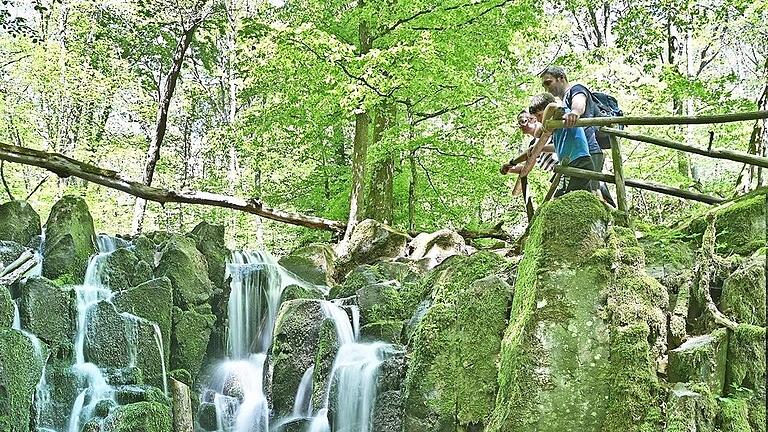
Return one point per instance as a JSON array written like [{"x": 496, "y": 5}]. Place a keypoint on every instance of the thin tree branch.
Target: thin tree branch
[
  {"x": 36, "y": 188},
  {"x": 5, "y": 184}
]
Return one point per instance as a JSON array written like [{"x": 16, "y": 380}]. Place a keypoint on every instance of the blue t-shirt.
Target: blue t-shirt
[
  {"x": 588, "y": 113},
  {"x": 570, "y": 144}
]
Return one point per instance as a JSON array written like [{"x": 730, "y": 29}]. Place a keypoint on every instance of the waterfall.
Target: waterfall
[
  {"x": 159, "y": 341},
  {"x": 355, "y": 370},
  {"x": 303, "y": 405},
  {"x": 16, "y": 317}
]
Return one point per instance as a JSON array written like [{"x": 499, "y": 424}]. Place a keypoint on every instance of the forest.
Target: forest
[{"x": 289, "y": 216}]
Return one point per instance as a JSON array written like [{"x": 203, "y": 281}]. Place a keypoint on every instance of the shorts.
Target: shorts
[{"x": 578, "y": 183}]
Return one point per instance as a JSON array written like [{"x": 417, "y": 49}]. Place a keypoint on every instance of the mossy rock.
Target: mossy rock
[
  {"x": 294, "y": 345},
  {"x": 366, "y": 274},
  {"x": 388, "y": 412},
  {"x": 189, "y": 340},
  {"x": 381, "y": 302},
  {"x": 435, "y": 247},
  {"x": 668, "y": 252},
  {"x": 139, "y": 417},
  {"x": 740, "y": 224},
  {"x": 108, "y": 337},
  {"x": 70, "y": 240},
  {"x": 743, "y": 297},
  {"x": 6, "y": 308},
  {"x": 20, "y": 369},
  {"x": 452, "y": 372},
  {"x": 48, "y": 311},
  {"x": 701, "y": 359},
  {"x": 64, "y": 385},
  {"x": 130, "y": 394},
  {"x": 370, "y": 242},
  {"x": 386, "y": 331},
  {"x": 187, "y": 269},
  {"x": 734, "y": 415},
  {"x": 746, "y": 359},
  {"x": 294, "y": 291},
  {"x": 327, "y": 346},
  {"x": 153, "y": 301},
  {"x": 19, "y": 222},
  {"x": 209, "y": 240},
  {"x": 145, "y": 249},
  {"x": 122, "y": 269},
  {"x": 315, "y": 263},
  {"x": 691, "y": 407}
]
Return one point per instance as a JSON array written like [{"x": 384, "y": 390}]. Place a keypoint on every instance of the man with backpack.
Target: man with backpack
[{"x": 580, "y": 103}]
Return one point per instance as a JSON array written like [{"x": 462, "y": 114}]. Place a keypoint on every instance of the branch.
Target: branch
[
  {"x": 65, "y": 167},
  {"x": 36, "y": 188},
  {"x": 427, "y": 116},
  {"x": 5, "y": 183}
]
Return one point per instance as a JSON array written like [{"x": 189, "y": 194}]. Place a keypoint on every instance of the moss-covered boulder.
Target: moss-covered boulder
[
  {"x": 139, "y": 417},
  {"x": 187, "y": 269},
  {"x": 63, "y": 386},
  {"x": 691, "y": 407},
  {"x": 189, "y": 340},
  {"x": 743, "y": 297},
  {"x": 370, "y": 242},
  {"x": 110, "y": 339},
  {"x": 70, "y": 240},
  {"x": 745, "y": 371},
  {"x": 451, "y": 377},
  {"x": 587, "y": 325},
  {"x": 20, "y": 369},
  {"x": 668, "y": 252},
  {"x": 386, "y": 331},
  {"x": 388, "y": 412},
  {"x": 361, "y": 276},
  {"x": 435, "y": 247},
  {"x": 209, "y": 240},
  {"x": 701, "y": 359},
  {"x": 294, "y": 345},
  {"x": 19, "y": 222},
  {"x": 740, "y": 224},
  {"x": 122, "y": 269},
  {"x": 381, "y": 302},
  {"x": 48, "y": 311},
  {"x": 315, "y": 263},
  {"x": 327, "y": 346},
  {"x": 153, "y": 301},
  {"x": 295, "y": 291},
  {"x": 733, "y": 415},
  {"x": 6, "y": 307},
  {"x": 145, "y": 249}
]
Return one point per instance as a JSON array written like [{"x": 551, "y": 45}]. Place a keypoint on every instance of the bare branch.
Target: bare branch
[{"x": 5, "y": 184}]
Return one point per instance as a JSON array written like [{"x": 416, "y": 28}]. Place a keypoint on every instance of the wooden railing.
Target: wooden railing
[{"x": 607, "y": 125}]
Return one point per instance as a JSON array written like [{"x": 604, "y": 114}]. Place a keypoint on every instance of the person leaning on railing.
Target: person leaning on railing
[{"x": 546, "y": 161}]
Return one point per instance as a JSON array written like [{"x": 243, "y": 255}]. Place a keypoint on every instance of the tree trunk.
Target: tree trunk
[
  {"x": 380, "y": 195},
  {"x": 360, "y": 150},
  {"x": 412, "y": 192},
  {"x": 153, "y": 153}
]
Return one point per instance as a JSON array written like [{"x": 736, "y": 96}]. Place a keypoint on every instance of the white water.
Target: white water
[
  {"x": 159, "y": 341},
  {"x": 16, "y": 318},
  {"x": 302, "y": 407}
]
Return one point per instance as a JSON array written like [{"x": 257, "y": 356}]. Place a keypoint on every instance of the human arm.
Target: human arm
[{"x": 578, "y": 107}]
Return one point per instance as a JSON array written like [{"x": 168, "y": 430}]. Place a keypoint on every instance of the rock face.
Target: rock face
[
  {"x": 435, "y": 247},
  {"x": 6, "y": 308},
  {"x": 48, "y": 311},
  {"x": 139, "y": 417},
  {"x": 370, "y": 242},
  {"x": 743, "y": 298},
  {"x": 315, "y": 263},
  {"x": 452, "y": 372},
  {"x": 294, "y": 346},
  {"x": 691, "y": 408},
  {"x": 20, "y": 368},
  {"x": 745, "y": 376},
  {"x": 381, "y": 272},
  {"x": 191, "y": 332},
  {"x": 187, "y": 269},
  {"x": 701, "y": 359},
  {"x": 70, "y": 240},
  {"x": 123, "y": 269},
  {"x": 19, "y": 222},
  {"x": 740, "y": 224},
  {"x": 586, "y": 327},
  {"x": 108, "y": 336}
]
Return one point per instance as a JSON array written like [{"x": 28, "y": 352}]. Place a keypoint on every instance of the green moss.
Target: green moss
[
  {"x": 327, "y": 347},
  {"x": 701, "y": 359},
  {"x": 691, "y": 407},
  {"x": 743, "y": 297},
  {"x": 181, "y": 375},
  {"x": 18, "y": 222},
  {"x": 209, "y": 240},
  {"x": 48, "y": 311},
  {"x": 293, "y": 292},
  {"x": 746, "y": 359},
  {"x": 140, "y": 417},
  {"x": 387, "y": 331},
  {"x": 6, "y": 307},
  {"x": 734, "y": 415},
  {"x": 187, "y": 269},
  {"x": 70, "y": 239},
  {"x": 740, "y": 224},
  {"x": 20, "y": 370},
  {"x": 189, "y": 341},
  {"x": 315, "y": 263},
  {"x": 666, "y": 250},
  {"x": 452, "y": 374}
]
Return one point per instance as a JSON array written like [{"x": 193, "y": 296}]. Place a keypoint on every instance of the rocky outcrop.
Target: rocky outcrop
[
  {"x": 20, "y": 368},
  {"x": 123, "y": 269},
  {"x": 6, "y": 308},
  {"x": 743, "y": 297},
  {"x": 434, "y": 248},
  {"x": 139, "y": 417},
  {"x": 701, "y": 359},
  {"x": 740, "y": 224},
  {"x": 187, "y": 270},
  {"x": 19, "y": 222},
  {"x": 364, "y": 275},
  {"x": 452, "y": 371},
  {"x": 189, "y": 340},
  {"x": 315, "y": 264},
  {"x": 70, "y": 240},
  {"x": 48, "y": 311},
  {"x": 586, "y": 328},
  {"x": 110, "y": 339},
  {"x": 294, "y": 345},
  {"x": 370, "y": 242}
]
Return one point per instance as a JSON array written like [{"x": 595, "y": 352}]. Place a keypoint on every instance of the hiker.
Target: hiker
[
  {"x": 570, "y": 144},
  {"x": 546, "y": 161},
  {"x": 577, "y": 98}
]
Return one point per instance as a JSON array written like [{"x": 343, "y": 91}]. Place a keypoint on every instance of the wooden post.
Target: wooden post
[
  {"x": 528, "y": 199},
  {"x": 618, "y": 172}
]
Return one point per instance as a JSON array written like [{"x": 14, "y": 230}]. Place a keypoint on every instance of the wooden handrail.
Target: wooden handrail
[
  {"x": 662, "y": 120},
  {"x": 732, "y": 155},
  {"x": 639, "y": 184}
]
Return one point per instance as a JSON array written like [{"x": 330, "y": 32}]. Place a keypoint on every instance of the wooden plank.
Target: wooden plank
[
  {"x": 528, "y": 199},
  {"x": 640, "y": 184},
  {"x": 618, "y": 172},
  {"x": 662, "y": 120},
  {"x": 732, "y": 155}
]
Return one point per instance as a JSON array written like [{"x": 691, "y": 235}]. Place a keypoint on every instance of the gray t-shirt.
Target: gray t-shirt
[{"x": 589, "y": 112}]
